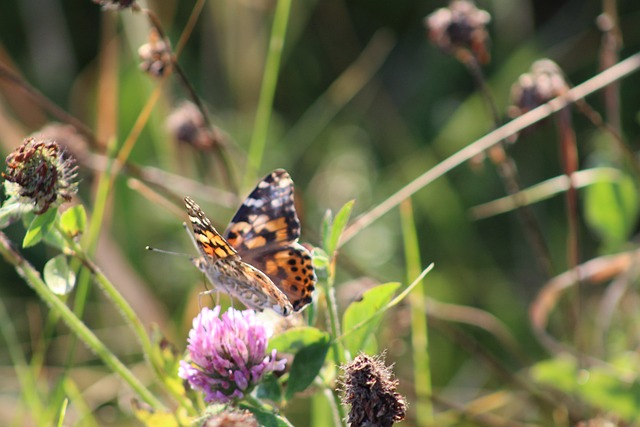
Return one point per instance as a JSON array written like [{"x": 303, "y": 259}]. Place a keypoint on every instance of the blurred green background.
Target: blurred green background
[{"x": 364, "y": 104}]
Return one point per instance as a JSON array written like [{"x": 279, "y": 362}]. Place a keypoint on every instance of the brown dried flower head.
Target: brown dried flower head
[
  {"x": 40, "y": 174},
  {"x": 370, "y": 390},
  {"x": 114, "y": 4},
  {"x": 232, "y": 418},
  {"x": 460, "y": 29},
  {"x": 541, "y": 84},
  {"x": 155, "y": 55},
  {"x": 187, "y": 125},
  {"x": 68, "y": 138}
]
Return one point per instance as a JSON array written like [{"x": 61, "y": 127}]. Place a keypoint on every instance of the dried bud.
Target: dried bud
[
  {"x": 40, "y": 174},
  {"x": 370, "y": 390},
  {"x": 114, "y": 4},
  {"x": 187, "y": 125},
  {"x": 460, "y": 30},
  {"x": 67, "y": 138},
  {"x": 232, "y": 418},
  {"x": 155, "y": 55},
  {"x": 544, "y": 82}
]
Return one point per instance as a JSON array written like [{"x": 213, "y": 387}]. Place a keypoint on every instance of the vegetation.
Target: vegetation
[{"x": 466, "y": 179}]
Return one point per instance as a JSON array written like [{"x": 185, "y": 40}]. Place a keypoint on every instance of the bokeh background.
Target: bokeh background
[{"x": 364, "y": 104}]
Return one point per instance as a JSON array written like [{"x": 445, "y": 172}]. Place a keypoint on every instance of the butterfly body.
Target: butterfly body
[{"x": 258, "y": 259}]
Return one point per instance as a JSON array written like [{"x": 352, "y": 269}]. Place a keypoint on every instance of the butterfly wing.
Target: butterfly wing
[
  {"x": 265, "y": 231},
  {"x": 291, "y": 269},
  {"x": 267, "y": 216},
  {"x": 208, "y": 241},
  {"x": 225, "y": 270}
]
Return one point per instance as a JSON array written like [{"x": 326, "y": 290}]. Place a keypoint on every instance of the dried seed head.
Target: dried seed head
[
  {"x": 40, "y": 175},
  {"x": 232, "y": 418},
  {"x": 68, "y": 139},
  {"x": 187, "y": 125},
  {"x": 460, "y": 29},
  {"x": 541, "y": 84},
  {"x": 114, "y": 4},
  {"x": 370, "y": 390},
  {"x": 155, "y": 55}
]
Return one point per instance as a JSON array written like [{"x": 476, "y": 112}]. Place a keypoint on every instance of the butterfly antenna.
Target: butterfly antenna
[{"x": 162, "y": 251}]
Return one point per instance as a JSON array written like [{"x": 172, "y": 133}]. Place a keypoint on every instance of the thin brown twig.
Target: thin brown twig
[
  {"x": 569, "y": 160},
  {"x": 11, "y": 76},
  {"x": 609, "y": 55},
  {"x": 595, "y": 271},
  {"x": 606, "y": 77},
  {"x": 508, "y": 172}
]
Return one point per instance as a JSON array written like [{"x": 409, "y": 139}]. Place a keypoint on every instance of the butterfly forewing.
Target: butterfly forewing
[
  {"x": 267, "y": 216},
  {"x": 265, "y": 231},
  {"x": 208, "y": 241}
]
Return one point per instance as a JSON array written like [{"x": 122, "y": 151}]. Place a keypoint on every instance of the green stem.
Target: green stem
[
  {"x": 32, "y": 277},
  {"x": 334, "y": 325},
  {"x": 267, "y": 91},
  {"x": 110, "y": 290},
  {"x": 419, "y": 331},
  {"x": 129, "y": 315},
  {"x": 90, "y": 240},
  {"x": 332, "y": 311},
  {"x": 28, "y": 383}
]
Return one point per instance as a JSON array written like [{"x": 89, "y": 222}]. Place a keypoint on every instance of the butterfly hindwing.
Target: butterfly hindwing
[{"x": 291, "y": 269}]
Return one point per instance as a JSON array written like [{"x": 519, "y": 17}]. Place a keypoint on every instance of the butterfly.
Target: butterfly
[{"x": 258, "y": 259}]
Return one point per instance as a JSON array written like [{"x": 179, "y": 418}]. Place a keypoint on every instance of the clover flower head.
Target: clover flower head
[
  {"x": 40, "y": 175},
  {"x": 227, "y": 354}
]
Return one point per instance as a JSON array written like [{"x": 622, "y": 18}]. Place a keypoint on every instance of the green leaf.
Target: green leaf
[
  {"x": 58, "y": 276},
  {"x": 306, "y": 366},
  {"x": 266, "y": 418},
  {"x": 55, "y": 239},
  {"x": 320, "y": 259},
  {"x": 325, "y": 228},
  {"x": 561, "y": 372},
  {"x": 611, "y": 208},
  {"x": 74, "y": 220},
  {"x": 62, "y": 412},
  {"x": 40, "y": 226},
  {"x": 292, "y": 340},
  {"x": 269, "y": 389},
  {"x": 360, "y": 311},
  {"x": 605, "y": 387},
  {"x": 310, "y": 346},
  {"x": 338, "y": 226}
]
